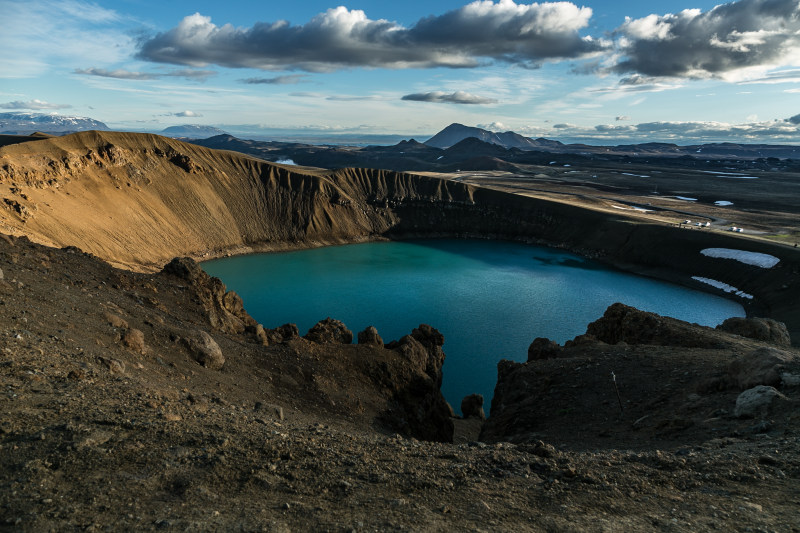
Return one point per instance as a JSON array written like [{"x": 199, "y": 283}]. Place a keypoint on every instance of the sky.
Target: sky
[{"x": 602, "y": 72}]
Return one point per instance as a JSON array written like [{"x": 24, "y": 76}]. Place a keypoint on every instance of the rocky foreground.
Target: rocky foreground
[{"x": 153, "y": 401}]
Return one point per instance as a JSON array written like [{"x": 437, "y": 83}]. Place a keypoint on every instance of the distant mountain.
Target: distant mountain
[
  {"x": 192, "y": 131},
  {"x": 455, "y": 133},
  {"x": 27, "y": 123}
]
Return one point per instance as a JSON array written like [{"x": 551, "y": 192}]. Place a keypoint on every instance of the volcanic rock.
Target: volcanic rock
[
  {"x": 472, "y": 406},
  {"x": 763, "y": 329},
  {"x": 205, "y": 350},
  {"x": 134, "y": 339},
  {"x": 225, "y": 309},
  {"x": 757, "y": 401},
  {"x": 621, "y": 323},
  {"x": 542, "y": 348},
  {"x": 370, "y": 337},
  {"x": 329, "y": 330},
  {"x": 764, "y": 366}
]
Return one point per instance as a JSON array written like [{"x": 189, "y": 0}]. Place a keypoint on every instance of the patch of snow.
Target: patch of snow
[
  {"x": 723, "y": 286},
  {"x": 632, "y": 208},
  {"x": 749, "y": 258},
  {"x": 438, "y": 158},
  {"x": 285, "y": 162},
  {"x": 635, "y": 175},
  {"x": 567, "y": 166},
  {"x": 686, "y": 198},
  {"x": 723, "y": 203},
  {"x": 737, "y": 177}
]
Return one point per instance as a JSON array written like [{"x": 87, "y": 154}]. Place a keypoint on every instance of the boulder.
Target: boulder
[
  {"x": 764, "y": 366},
  {"x": 763, "y": 329},
  {"x": 283, "y": 333},
  {"x": 329, "y": 330},
  {"x": 542, "y": 348},
  {"x": 115, "y": 321},
  {"x": 757, "y": 401},
  {"x": 472, "y": 406},
  {"x": 205, "y": 350},
  {"x": 134, "y": 339},
  {"x": 370, "y": 337}
]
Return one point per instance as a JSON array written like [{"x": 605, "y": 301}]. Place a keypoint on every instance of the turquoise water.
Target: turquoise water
[{"x": 490, "y": 299}]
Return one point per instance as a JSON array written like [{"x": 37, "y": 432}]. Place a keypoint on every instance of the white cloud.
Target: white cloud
[
  {"x": 730, "y": 41},
  {"x": 34, "y": 104},
  {"x": 122, "y": 74},
  {"x": 187, "y": 113},
  {"x": 469, "y": 36},
  {"x": 458, "y": 97}
]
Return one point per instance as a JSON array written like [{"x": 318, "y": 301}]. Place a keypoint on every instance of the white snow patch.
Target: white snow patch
[
  {"x": 723, "y": 203},
  {"x": 686, "y": 198},
  {"x": 635, "y": 175},
  {"x": 438, "y": 158},
  {"x": 739, "y": 177},
  {"x": 749, "y": 258},
  {"x": 285, "y": 162},
  {"x": 723, "y": 286},
  {"x": 632, "y": 208}
]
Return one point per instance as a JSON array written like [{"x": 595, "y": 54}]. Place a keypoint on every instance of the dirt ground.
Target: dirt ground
[{"x": 99, "y": 432}]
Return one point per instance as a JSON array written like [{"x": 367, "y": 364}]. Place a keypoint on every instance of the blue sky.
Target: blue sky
[{"x": 600, "y": 72}]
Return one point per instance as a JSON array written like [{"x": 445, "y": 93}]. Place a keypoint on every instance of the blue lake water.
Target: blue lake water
[{"x": 490, "y": 299}]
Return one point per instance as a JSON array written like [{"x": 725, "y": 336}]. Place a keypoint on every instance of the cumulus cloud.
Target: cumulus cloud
[
  {"x": 469, "y": 36},
  {"x": 794, "y": 120},
  {"x": 622, "y": 117},
  {"x": 494, "y": 126},
  {"x": 458, "y": 97},
  {"x": 33, "y": 104},
  {"x": 122, "y": 74},
  {"x": 727, "y": 40},
  {"x": 290, "y": 79},
  {"x": 187, "y": 113}
]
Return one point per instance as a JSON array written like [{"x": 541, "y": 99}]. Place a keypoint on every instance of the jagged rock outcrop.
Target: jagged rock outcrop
[
  {"x": 542, "y": 348},
  {"x": 663, "y": 377},
  {"x": 472, "y": 407},
  {"x": 329, "y": 330},
  {"x": 418, "y": 406},
  {"x": 370, "y": 336},
  {"x": 622, "y": 323},
  {"x": 225, "y": 309},
  {"x": 763, "y": 329}
]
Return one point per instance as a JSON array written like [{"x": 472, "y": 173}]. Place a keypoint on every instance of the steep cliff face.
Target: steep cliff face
[{"x": 138, "y": 200}]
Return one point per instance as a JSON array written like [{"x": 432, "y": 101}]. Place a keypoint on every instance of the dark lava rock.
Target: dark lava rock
[
  {"x": 330, "y": 330},
  {"x": 472, "y": 406},
  {"x": 370, "y": 337},
  {"x": 542, "y": 348},
  {"x": 624, "y": 324},
  {"x": 763, "y": 329},
  {"x": 760, "y": 367}
]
